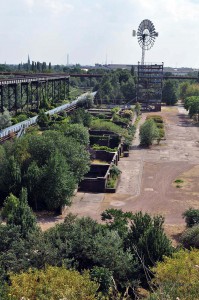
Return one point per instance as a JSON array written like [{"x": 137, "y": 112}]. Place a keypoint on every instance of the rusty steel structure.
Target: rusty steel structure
[
  {"x": 149, "y": 85},
  {"x": 30, "y": 91},
  {"x": 25, "y": 91}
]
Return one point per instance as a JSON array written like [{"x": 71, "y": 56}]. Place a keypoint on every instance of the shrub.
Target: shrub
[
  {"x": 190, "y": 237},
  {"x": 178, "y": 276},
  {"x": 156, "y": 118},
  {"x": 97, "y": 147},
  {"x": 148, "y": 132},
  {"x": 21, "y": 117},
  {"x": 191, "y": 217},
  {"x": 52, "y": 283},
  {"x": 161, "y": 133},
  {"x": 111, "y": 182},
  {"x": 179, "y": 181},
  {"x": 128, "y": 114},
  {"x": 114, "y": 171}
]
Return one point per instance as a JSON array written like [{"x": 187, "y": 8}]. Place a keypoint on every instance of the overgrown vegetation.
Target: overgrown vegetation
[
  {"x": 113, "y": 255},
  {"x": 116, "y": 87},
  {"x": 49, "y": 165},
  {"x": 177, "y": 277}
]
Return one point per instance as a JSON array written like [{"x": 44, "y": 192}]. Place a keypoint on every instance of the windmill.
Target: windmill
[{"x": 146, "y": 35}]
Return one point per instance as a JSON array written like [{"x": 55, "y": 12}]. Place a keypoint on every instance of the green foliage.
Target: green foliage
[
  {"x": 178, "y": 181},
  {"x": 127, "y": 113},
  {"x": 105, "y": 148},
  {"x": 29, "y": 160},
  {"x": 118, "y": 220},
  {"x": 52, "y": 283},
  {"x": 138, "y": 108},
  {"x": 188, "y": 89},
  {"x": 148, "y": 132},
  {"x": 118, "y": 119},
  {"x": 109, "y": 126},
  {"x": 111, "y": 182},
  {"x": 169, "y": 92},
  {"x": 21, "y": 214},
  {"x": 191, "y": 217},
  {"x": 115, "y": 110},
  {"x": 58, "y": 183},
  {"x": 80, "y": 116},
  {"x": 190, "y": 237},
  {"x": 43, "y": 119},
  {"x": 178, "y": 276},
  {"x": 117, "y": 86},
  {"x": 156, "y": 118},
  {"x": 191, "y": 104},
  {"x": 10, "y": 204},
  {"x": 77, "y": 132},
  {"x": 5, "y": 119},
  {"x": 146, "y": 238},
  {"x": 114, "y": 171},
  {"x": 103, "y": 276},
  {"x": 19, "y": 118},
  {"x": 90, "y": 244}
]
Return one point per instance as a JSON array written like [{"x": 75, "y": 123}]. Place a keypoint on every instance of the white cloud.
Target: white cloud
[
  {"x": 58, "y": 6},
  {"x": 55, "y": 6}
]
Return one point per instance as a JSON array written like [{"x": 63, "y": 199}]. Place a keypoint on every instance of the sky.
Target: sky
[{"x": 98, "y": 31}]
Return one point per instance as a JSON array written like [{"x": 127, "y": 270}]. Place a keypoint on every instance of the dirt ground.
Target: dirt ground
[{"x": 148, "y": 175}]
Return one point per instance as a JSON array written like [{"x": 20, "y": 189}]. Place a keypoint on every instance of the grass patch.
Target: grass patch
[{"x": 178, "y": 181}]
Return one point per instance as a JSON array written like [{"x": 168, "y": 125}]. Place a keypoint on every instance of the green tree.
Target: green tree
[
  {"x": 33, "y": 179},
  {"x": 194, "y": 109},
  {"x": 129, "y": 90},
  {"x": 77, "y": 132},
  {"x": 81, "y": 116},
  {"x": 10, "y": 204},
  {"x": 22, "y": 215},
  {"x": 5, "y": 119},
  {"x": 183, "y": 88},
  {"x": 43, "y": 119},
  {"x": 148, "y": 132},
  {"x": 118, "y": 220},
  {"x": 58, "y": 183},
  {"x": 147, "y": 240},
  {"x": 169, "y": 92},
  {"x": 92, "y": 245}
]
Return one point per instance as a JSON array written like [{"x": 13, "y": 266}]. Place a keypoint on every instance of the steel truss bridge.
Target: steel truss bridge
[{"x": 25, "y": 91}]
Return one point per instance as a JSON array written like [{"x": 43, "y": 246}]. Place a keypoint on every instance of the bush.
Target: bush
[
  {"x": 190, "y": 237},
  {"x": 21, "y": 118},
  {"x": 178, "y": 276},
  {"x": 148, "y": 133},
  {"x": 111, "y": 183},
  {"x": 52, "y": 283},
  {"x": 97, "y": 147},
  {"x": 127, "y": 114},
  {"x": 191, "y": 217},
  {"x": 114, "y": 171},
  {"x": 156, "y": 118},
  {"x": 161, "y": 133}
]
